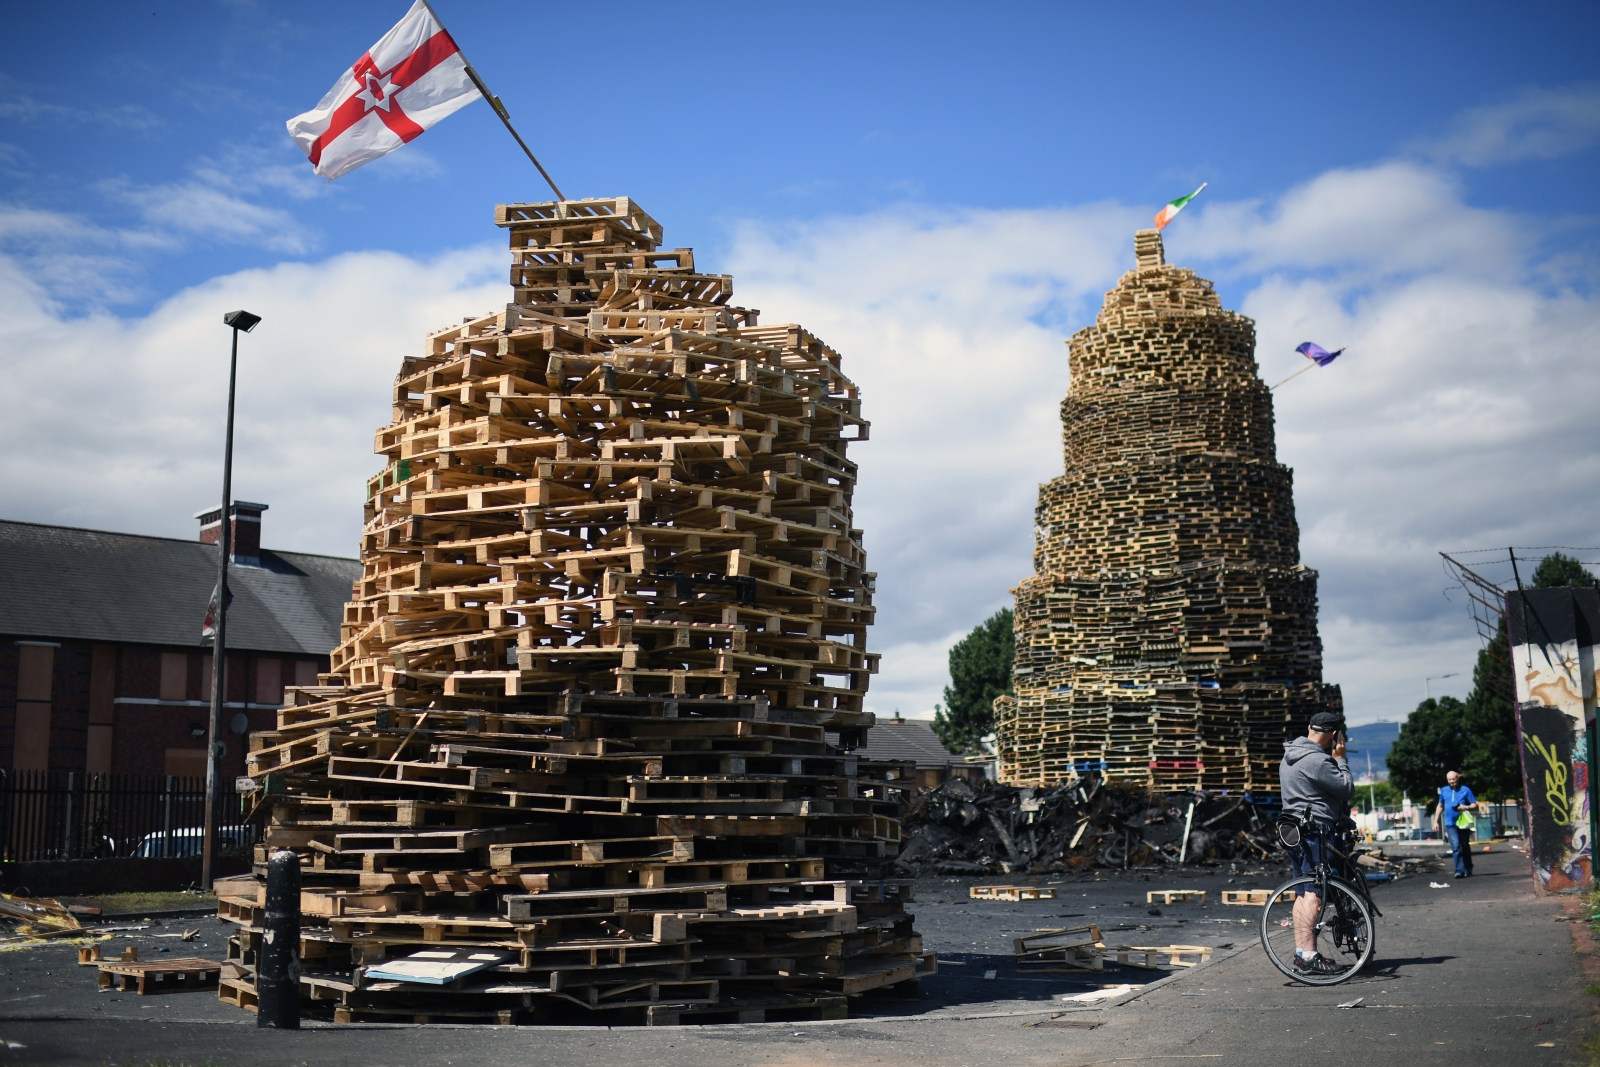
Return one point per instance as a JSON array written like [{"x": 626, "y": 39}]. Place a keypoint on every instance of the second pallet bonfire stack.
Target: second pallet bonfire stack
[
  {"x": 587, "y": 751},
  {"x": 1168, "y": 637}
]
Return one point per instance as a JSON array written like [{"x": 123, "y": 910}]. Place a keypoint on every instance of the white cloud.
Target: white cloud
[
  {"x": 49, "y": 246},
  {"x": 179, "y": 211},
  {"x": 122, "y": 424},
  {"x": 1538, "y": 123},
  {"x": 1358, "y": 225},
  {"x": 935, "y": 313},
  {"x": 1458, "y": 418},
  {"x": 1454, "y": 420},
  {"x": 134, "y": 117}
]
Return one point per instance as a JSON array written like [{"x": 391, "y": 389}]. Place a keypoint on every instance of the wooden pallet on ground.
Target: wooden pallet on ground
[
  {"x": 1175, "y": 896},
  {"x": 1148, "y": 956},
  {"x": 1078, "y": 948},
  {"x": 159, "y": 976},
  {"x": 1255, "y": 897},
  {"x": 1011, "y": 892}
]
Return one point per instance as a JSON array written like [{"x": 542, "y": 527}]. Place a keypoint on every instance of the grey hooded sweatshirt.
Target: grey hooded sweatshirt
[{"x": 1314, "y": 783}]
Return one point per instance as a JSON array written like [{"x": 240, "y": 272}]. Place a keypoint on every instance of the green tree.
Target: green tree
[
  {"x": 1491, "y": 764},
  {"x": 1433, "y": 741},
  {"x": 1383, "y": 794},
  {"x": 980, "y": 670},
  {"x": 1557, "y": 570},
  {"x": 1477, "y": 737}
]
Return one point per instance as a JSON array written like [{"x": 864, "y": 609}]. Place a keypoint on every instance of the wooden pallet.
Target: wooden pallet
[
  {"x": 1011, "y": 892},
  {"x": 163, "y": 976},
  {"x": 1254, "y": 897},
  {"x": 598, "y": 695},
  {"x": 1175, "y": 896},
  {"x": 1077, "y": 948},
  {"x": 1149, "y": 956},
  {"x": 241, "y": 993}
]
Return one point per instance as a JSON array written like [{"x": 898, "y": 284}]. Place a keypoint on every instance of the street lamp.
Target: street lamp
[
  {"x": 1427, "y": 683},
  {"x": 238, "y": 321}
]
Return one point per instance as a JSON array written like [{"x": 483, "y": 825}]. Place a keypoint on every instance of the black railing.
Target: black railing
[{"x": 60, "y": 815}]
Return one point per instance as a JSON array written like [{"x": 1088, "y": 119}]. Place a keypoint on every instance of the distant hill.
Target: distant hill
[{"x": 1374, "y": 740}]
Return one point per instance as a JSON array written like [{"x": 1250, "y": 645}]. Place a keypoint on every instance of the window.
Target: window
[
  {"x": 174, "y": 676},
  {"x": 269, "y": 681}
]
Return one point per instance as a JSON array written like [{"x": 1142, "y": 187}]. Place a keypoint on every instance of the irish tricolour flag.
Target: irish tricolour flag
[{"x": 1170, "y": 212}]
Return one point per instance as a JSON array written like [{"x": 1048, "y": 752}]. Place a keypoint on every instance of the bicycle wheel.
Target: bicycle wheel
[{"x": 1344, "y": 929}]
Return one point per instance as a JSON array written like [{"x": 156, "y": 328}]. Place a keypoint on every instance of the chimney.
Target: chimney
[{"x": 244, "y": 534}]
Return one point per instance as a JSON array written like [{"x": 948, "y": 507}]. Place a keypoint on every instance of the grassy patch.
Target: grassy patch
[
  {"x": 1591, "y": 1050},
  {"x": 1593, "y": 989},
  {"x": 116, "y": 903}
]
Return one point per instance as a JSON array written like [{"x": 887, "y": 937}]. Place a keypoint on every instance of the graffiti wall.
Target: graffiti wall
[{"x": 1553, "y": 635}]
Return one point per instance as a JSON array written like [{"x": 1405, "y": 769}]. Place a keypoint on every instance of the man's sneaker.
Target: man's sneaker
[{"x": 1318, "y": 964}]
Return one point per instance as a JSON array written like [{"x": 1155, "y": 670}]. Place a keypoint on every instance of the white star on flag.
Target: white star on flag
[
  {"x": 378, "y": 93},
  {"x": 413, "y": 78}
]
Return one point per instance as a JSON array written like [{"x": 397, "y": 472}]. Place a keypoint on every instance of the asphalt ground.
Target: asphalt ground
[{"x": 1479, "y": 972}]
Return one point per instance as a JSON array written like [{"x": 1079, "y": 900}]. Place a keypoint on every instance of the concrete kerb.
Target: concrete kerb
[{"x": 1176, "y": 976}]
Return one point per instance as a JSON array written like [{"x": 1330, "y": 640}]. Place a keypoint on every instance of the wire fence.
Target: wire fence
[{"x": 62, "y": 815}]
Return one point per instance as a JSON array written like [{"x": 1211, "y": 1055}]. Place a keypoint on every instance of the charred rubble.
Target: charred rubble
[{"x": 986, "y": 828}]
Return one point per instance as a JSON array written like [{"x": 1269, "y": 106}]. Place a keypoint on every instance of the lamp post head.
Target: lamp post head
[{"x": 241, "y": 320}]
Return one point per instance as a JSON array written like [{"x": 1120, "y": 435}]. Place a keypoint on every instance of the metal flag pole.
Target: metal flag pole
[
  {"x": 499, "y": 108},
  {"x": 505, "y": 117},
  {"x": 238, "y": 321}
]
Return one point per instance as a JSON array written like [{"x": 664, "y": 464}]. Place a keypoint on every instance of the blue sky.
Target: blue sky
[
  {"x": 759, "y": 111},
  {"x": 941, "y": 191}
]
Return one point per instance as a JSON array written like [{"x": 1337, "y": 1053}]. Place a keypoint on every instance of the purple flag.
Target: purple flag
[{"x": 1314, "y": 351}]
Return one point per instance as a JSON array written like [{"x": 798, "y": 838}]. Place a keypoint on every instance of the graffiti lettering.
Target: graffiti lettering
[{"x": 1555, "y": 781}]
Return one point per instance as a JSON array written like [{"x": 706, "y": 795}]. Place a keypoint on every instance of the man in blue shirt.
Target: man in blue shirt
[{"x": 1454, "y": 799}]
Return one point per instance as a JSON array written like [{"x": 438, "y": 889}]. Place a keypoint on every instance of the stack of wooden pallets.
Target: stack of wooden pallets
[
  {"x": 1168, "y": 637},
  {"x": 588, "y": 749}
]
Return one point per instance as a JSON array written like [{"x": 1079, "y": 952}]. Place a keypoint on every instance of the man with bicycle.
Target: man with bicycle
[{"x": 1317, "y": 785}]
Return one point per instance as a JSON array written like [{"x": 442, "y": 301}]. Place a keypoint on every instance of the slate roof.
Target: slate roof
[
  {"x": 92, "y": 585},
  {"x": 902, "y": 739}
]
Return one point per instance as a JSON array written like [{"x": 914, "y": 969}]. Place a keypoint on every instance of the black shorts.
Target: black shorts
[{"x": 1308, "y": 853}]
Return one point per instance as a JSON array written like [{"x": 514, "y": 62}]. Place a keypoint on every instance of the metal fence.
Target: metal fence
[{"x": 60, "y": 815}]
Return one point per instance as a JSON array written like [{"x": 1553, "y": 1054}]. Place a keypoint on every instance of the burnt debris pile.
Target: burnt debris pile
[{"x": 1083, "y": 823}]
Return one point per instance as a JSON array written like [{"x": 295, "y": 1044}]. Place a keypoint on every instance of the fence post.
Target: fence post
[
  {"x": 278, "y": 966},
  {"x": 74, "y": 813},
  {"x": 166, "y": 818}
]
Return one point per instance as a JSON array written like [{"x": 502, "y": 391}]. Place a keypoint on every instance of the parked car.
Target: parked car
[{"x": 186, "y": 841}]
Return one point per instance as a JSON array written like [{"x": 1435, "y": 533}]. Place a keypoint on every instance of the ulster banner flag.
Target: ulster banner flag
[{"x": 411, "y": 79}]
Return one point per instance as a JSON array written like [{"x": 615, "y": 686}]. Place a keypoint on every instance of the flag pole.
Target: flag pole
[
  {"x": 1295, "y": 375},
  {"x": 499, "y": 109}
]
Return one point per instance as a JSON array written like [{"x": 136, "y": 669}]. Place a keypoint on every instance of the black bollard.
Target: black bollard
[{"x": 278, "y": 964}]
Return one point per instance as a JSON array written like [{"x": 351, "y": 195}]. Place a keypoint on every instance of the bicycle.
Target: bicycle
[{"x": 1347, "y": 912}]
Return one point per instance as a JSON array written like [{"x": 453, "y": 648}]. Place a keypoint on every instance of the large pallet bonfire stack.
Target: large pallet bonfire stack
[
  {"x": 587, "y": 753},
  {"x": 1168, "y": 639}
]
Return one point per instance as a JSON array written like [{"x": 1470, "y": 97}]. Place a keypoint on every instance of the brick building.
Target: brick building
[
  {"x": 914, "y": 739},
  {"x": 102, "y": 666}
]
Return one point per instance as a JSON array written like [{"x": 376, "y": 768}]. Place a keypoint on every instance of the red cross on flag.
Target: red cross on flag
[{"x": 411, "y": 79}]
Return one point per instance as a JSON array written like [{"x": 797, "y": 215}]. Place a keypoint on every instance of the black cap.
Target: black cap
[{"x": 1327, "y": 720}]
